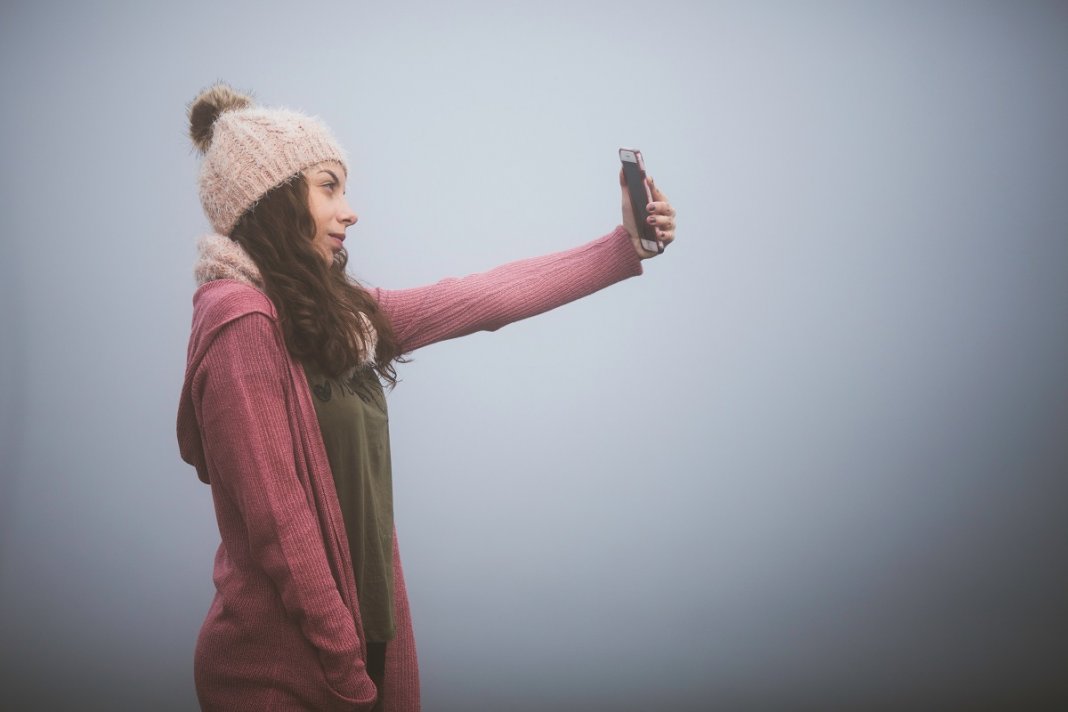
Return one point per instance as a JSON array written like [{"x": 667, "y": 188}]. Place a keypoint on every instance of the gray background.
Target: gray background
[{"x": 813, "y": 459}]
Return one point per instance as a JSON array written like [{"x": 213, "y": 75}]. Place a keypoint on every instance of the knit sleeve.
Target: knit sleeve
[
  {"x": 489, "y": 300},
  {"x": 241, "y": 403}
]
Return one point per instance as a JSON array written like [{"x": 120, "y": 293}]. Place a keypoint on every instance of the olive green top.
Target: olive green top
[{"x": 355, "y": 425}]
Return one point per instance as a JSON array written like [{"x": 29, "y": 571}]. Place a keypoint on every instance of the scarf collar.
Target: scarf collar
[{"x": 222, "y": 258}]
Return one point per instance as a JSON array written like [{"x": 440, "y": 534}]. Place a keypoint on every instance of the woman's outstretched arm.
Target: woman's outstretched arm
[{"x": 489, "y": 300}]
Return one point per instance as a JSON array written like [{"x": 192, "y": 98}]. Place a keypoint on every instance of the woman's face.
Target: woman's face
[{"x": 326, "y": 201}]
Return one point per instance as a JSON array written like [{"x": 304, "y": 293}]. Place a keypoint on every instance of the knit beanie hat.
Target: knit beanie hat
[{"x": 248, "y": 150}]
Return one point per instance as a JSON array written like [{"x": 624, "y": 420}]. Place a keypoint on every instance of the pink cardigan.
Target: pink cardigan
[{"x": 283, "y": 631}]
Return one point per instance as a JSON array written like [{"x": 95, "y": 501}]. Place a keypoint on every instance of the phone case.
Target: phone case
[{"x": 646, "y": 232}]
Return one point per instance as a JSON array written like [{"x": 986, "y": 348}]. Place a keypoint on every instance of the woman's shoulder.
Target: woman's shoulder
[
  {"x": 237, "y": 323},
  {"x": 224, "y": 300},
  {"x": 220, "y": 304}
]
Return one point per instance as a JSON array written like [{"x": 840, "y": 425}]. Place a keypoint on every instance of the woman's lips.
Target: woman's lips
[{"x": 338, "y": 239}]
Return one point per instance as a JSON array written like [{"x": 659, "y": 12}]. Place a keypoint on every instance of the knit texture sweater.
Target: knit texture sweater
[{"x": 283, "y": 631}]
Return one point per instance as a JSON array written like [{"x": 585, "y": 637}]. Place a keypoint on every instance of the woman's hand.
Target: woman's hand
[{"x": 661, "y": 217}]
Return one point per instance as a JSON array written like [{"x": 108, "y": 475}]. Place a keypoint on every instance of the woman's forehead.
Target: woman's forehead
[{"x": 333, "y": 166}]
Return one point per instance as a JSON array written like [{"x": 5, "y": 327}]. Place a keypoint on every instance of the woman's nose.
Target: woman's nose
[{"x": 347, "y": 216}]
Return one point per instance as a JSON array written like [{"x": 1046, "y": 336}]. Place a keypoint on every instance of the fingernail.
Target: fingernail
[
  {"x": 651, "y": 219},
  {"x": 650, "y": 207}
]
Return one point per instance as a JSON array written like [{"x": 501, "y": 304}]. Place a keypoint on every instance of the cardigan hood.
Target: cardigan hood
[{"x": 215, "y": 305}]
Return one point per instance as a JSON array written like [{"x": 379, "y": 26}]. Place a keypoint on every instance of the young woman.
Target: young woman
[{"x": 283, "y": 413}]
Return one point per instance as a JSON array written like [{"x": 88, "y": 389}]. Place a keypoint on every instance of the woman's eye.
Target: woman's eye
[{"x": 329, "y": 185}]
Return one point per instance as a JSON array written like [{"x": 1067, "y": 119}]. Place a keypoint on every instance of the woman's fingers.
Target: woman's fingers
[
  {"x": 660, "y": 207},
  {"x": 664, "y": 225},
  {"x": 661, "y": 215}
]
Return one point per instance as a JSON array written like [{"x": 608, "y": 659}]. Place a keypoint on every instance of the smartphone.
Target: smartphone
[{"x": 640, "y": 196}]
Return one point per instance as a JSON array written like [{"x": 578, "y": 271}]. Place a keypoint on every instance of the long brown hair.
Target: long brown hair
[{"x": 318, "y": 305}]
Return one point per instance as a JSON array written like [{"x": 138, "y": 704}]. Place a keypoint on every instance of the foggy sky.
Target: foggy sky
[{"x": 814, "y": 458}]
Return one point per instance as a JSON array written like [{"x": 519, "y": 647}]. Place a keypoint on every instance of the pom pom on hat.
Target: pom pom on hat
[
  {"x": 206, "y": 108},
  {"x": 248, "y": 150}
]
